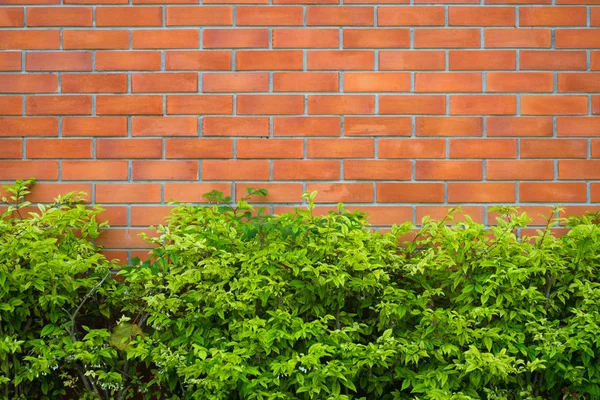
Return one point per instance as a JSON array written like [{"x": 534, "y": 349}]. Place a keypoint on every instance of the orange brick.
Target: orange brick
[
  {"x": 93, "y": 39},
  {"x": 552, "y": 16},
  {"x": 595, "y": 104},
  {"x": 129, "y": 16},
  {"x": 578, "y": 126},
  {"x": 128, "y": 193},
  {"x": 340, "y": 15},
  {"x": 235, "y": 38},
  {"x": 10, "y": 61},
  {"x": 11, "y": 17},
  {"x": 412, "y": 104},
  {"x": 55, "y": 105},
  {"x": 553, "y": 59},
  {"x": 270, "y": 148},
  {"x": 544, "y": 192},
  {"x": 59, "y": 16},
  {"x": 199, "y": 148},
  {"x": 449, "y": 126},
  {"x": 164, "y": 126},
  {"x": 427, "y": 170},
  {"x": 269, "y": 16},
  {"x": 69, "y": 61},
  {"x": 448, "y": 82},
  {"x": 28, "y": 83},
  {"x": 94, "y": 170},
  {"x": 446, "y": 38},
  {"x": 577, "y": 38},
  {"x": 519, "y": 170},
  {"x": 30, "y": 40},
  {"x": 342, "y": 192},
  {"x": 595, "y": 192},
  {"x": 127, "y": 60},
  {"x": 193, "y": 192},
  {"x": 235, "y": 126},
  {"x": 123, "y": 238},
  {"x": 377, "y": 170},
  {"x": 579, "y": 169},
  {"x": 306, "y": 126},
  {"x": 341, "y": 104},
  {"x": 376, "y": 38},
  {"x": 59, "y": 148},
  {"x": 205, "y": 15},
  {"x": 520, "y": 82},
  {"x": 538, "y": 214},
  {"x": 144, "y": 170},
  {"x": 214, "y": 60},
  {"x": 128, "y": 104},
  {"x": 149, "y": 215},
  {"x": 269, "y": 60},
  {"x": 377, "y": 82},
  {"x": 483, "y": 104},
  {"x": 278, "y": 192},
  {"x": 519, "y": 126},
  {"x": 302, "y": 38},
  {"x": 11, "y": 148},
  {"x": 585, "y": 82},
  {"x": 341, "y": 59},
  {"x": 595, "y": 148},
  {"x": 553, "y": 148},
  {"x": 409, "y": 60},
  {"x": 439, "y": 213},
  {"x": 410, "y": 16},
  {"x": 11, "y": 105},
  {"x": 481, "y": 16},
  {"x": 595, "y": 61},
  {"x": 515, "y": 37},
  {"x": 482, "y": 59},
  {"x": 481, "y": 192},
  {"x": 377, "y": 126},
  {"x": 410, "y": 192},
  {"x": 199, "y": 104},
  {"x": 84, "y": 1},
  {"x": 129, "y": 148},
  {"x": 553, "y": 105},
  {"x": 292, "y": 170},
  {"x": 166, "y": 39},
  {"x": 241, "y": 170},
  {"x": 19, "y": 169},
  {"x": 595, "y": 16},
  {"x": 235, "y": 82},
  {"x": 94, "y": 126},
  {"x": 28, "y": 126},
  {"x": 483, "y": 148},
  {"x": 305, "y": 82},
  {"x": 164, "y": 82},
  {"x": 48, "y": 192},
  {"x": 93, "y": 83},
  {"x": 270, "y": 104},
  {"x": 340, "y": 148},
  {"x": 412, "y": 148}
]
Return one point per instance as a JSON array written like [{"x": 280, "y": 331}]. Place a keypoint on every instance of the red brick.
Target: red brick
[
  {"x": 449, "y": 126},
  {"x": 128, "y": 193},
  {"x": 11, "y": 105},
  {"x": 28, "y": 83},
  {"x": 482, "y": 59},
  {"x": 199, "y": 104},
  {"x": 270, "y": 148},
  {"x": 519, "y": 126},
  {"x": 193, "y": 192},
  {"x": 553, "y": 105},
  {"x": 410, "y": 16},
  {"x": 553, "y": 59},
  {"x": 483, "y": 104},
  {"x": 538, "y": 214},
  {"x": 94, "y": 83},
  {"x": 128, "y": 104},
  {"x": 235, "y": 39},
  {"x": 11, "y": 17},
  {"x": 123, "y": 238},
  {"x": 11, "y": 148},
  {"x": 127, "y": 60},
  {"x": 48, "y": 192},
  {"x": 94, "y": 170},
  {"x": 427, "y": 170},
  {"x": 552, "y": 16},
  {"x": 595, "y": 104},
  {"x": 166, "y": 39},
  {"x": 164, "y": 170},
  {"x": 410, "y": 192},
  {"x": 446, "y": 38},
  {"x": 519, "y": 170},
  {"x": 42, "y": 170},
  {"x": 129, "y": 16},
  {"x": 544, "y": 192},
  {"x": 481, "y": 16},
  {"x": 129, "y": 148},
  {"x": 517, "y": 2},
  {"x": 594, "y": 62},
  {"x": 342, "y": 192},
  {"x": 412, "y": 148},
  {"x": 519, "y": 82},
  {"x": 305, "y": 82},
  {"x": 59, "y": 16},
  {"x": 301, "y": 38},
  {"x": 55, "y": 105},
  {"x": 340, "y": 15},
  {"x": 377, "y": 170},
  {"x": 215, "y": 60},
  {"x": 595, "y": 192},
  {"x": 595, "y": 143},
  {"x": 515, "y": 37},
  {"x": 269, "y": 60},
  {"x": 269, "y": 15},
  {"x": 235, "y": 126},
  {"x": 236, "y": 82},
  {"x": 481, "y": 192},
  {"x": 409, "y": 60},
  {"x": 341, "y": 59},
  {"x": 270, "y": 104},
  {"x": 595, "y": 16},
  {"x": 164, "y": 126},
  {"x": 340, "y": 148},
  {"x": 439, "y": 213},
  {"x": 94, "y": 39},
  {"x": 30, "y": 40},
  {"x": 199, "y": 148},
  {"x": 553, "y": 148},
  {"x": 69, "y": 61},
  {"x": 300, "y": 1},
  {"x": 164, "y": 82},
  {"x": 585, "y": 82},
  {"x": 59, "y": 148},
  {"x": 376, "y": 38},
  {"x": 239, "y": 170},
  {"x": 376, "y": 82},
  {"x": 149, "y": 215},
  {"x": 378, "y": 126},
  {"x": 86, "y": 1},
  {"x": 412, "y": 104},
  {"x": 483, "y": 148},
  {"x": 577, "y": 38},
  {"x": 306, "y": 126},
  {"x": 448, "y": 82},
  {"x": 204, "y": 15},
  {"x": 94, "y": 126},
  {"x": 28, "y": 126},
  {"x": 277, "y": 192},
  {"x": 341, "y": 104},
  {"x": 10, "y": 61},
  {"x": 579, "y": 169},
  {"x": 286, "y": 170}
]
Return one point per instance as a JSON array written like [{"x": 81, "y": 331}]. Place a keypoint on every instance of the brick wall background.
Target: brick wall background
[{"x": 399, "y": 107}]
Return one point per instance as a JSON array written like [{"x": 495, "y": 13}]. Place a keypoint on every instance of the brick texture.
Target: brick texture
[{"x": 401, "y": 108}]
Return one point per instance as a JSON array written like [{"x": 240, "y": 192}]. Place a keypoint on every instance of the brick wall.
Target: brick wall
[{"x": 399, "y": 107}]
